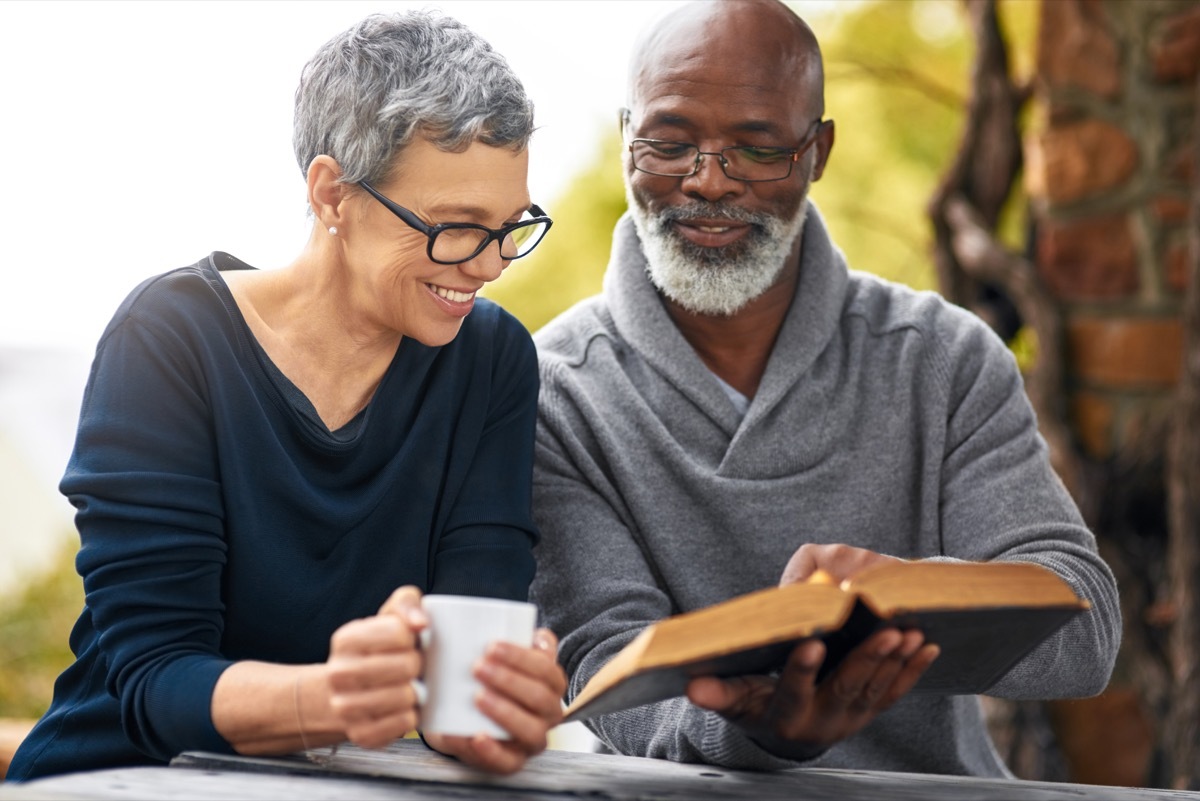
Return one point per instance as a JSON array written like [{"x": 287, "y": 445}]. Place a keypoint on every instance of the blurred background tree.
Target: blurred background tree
[
  {"x": 34, "y": 626},
  {"x": 1107, "y": 279}
]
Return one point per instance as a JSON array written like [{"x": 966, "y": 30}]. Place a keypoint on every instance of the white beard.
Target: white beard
[{"x": 714, "y": 281}]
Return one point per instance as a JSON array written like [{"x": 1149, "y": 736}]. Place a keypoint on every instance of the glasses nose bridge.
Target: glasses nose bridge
[
  {"x": 482, "y": 264},
  {"x": 721, "y": 160},
  {"x": 493, "y": 235}
]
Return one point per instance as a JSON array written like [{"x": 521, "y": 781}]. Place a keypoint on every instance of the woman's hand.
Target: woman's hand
[
  {"x": 372, "y": 663},
  {"x": 522, "y": 692}
]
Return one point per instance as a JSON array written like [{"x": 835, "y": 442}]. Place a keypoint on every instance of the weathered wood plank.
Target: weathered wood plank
[
  {"x": 172, "y": 784},
  {"x": 632, "y": 779},
  {"x": 408, "y": 771}
]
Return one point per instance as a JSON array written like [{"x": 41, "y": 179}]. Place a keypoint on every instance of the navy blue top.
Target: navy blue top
[{"x": 220, "y": 520}]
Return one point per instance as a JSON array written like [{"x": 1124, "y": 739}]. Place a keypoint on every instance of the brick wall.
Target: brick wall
[{"x": 1109, "y": 171}]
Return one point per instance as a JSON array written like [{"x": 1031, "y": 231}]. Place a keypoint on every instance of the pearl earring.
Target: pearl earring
[{"x": 333, "y": 230}]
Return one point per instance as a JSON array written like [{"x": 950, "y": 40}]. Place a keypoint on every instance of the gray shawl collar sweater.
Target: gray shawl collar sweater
[
  {"x": 642, "y": 321},
  {"x": 887, "y": 419}
]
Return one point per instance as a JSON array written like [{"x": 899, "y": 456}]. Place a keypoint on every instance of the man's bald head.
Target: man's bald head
[
  {"x": 759, "y": 39},
  {"x": 725, "y": 134}
]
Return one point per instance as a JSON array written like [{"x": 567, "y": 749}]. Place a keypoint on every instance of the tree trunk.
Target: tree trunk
[
  {"x": 975, "y": 271},
  {"x": 1122, "y": 487},
  {"x": 1183, "y": 483}
]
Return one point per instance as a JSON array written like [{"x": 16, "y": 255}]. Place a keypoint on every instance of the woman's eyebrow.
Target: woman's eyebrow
[{"x": 470, "y": 212}]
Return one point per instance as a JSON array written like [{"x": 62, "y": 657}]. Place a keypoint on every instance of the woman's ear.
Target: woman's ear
[{"x": 326, "y": 192}]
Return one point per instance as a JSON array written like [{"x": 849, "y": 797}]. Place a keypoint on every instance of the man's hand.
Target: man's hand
[
  {"x": 838, "y": 561},
  {"x": 522, "y": 691},
  {"x": 794, "y": 717}
]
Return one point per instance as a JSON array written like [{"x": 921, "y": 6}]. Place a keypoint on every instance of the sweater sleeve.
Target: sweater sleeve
[
  {"x": 600, "y": 597},
  {"x": 149, "y": 512},
  {"x": 486, "y": 547},
  {"x": 1000, "y": 499}
]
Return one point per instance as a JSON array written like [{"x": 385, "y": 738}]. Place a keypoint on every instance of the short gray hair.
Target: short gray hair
[{"x": 371, "y": 89}]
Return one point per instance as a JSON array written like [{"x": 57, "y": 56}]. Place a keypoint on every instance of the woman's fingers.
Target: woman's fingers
[
  {"x": 362, "y": 701},
  {"x": 527, "y": 730},
  {"x": 370, "y": 670},
  {"x": 405, "y": 603},
  {"x": 529, "y": 693},
  {"x": 480, "y": 751},
  {"x": 381, "y": 731},
  {"x": 528, "y": 666},
  {"x": 531, "y": 677},
  {"x": 366, "y": 671},
  {"x": 522, "y": 689},
  {"x": 378, "y": 634}
]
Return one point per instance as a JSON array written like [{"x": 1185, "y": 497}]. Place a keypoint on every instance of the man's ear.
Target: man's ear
[
  {"x": 325, "y": 192},
  {"x": 824, "y": 145}
]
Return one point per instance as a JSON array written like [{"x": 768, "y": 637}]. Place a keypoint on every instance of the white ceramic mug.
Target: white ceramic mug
[{"x": 460, "y": 629}]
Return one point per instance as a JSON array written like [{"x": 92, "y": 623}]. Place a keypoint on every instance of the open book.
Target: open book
[{"x": 984, "y": 616}]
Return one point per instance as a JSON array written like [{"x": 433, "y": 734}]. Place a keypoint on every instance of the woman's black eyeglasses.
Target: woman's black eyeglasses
[{"x": 454, "y": 243}]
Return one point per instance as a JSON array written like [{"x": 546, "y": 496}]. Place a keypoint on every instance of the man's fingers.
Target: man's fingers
[
  {"x": 802, "y": 565},
  {"x": 795, "y": 716},
  {"x": 711, "y": 693},
  {"x": 910, "y": 674},
  {"x": 838, "y": 560},
  {"x": 741, "y": 698},
  {"x": 790, "y": 709},
  {"x": 848, "y": 685},
  {"x": 880, "y": 685}
]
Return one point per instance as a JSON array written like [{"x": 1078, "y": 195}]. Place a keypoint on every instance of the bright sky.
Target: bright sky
[{"x": 140, "y": 136}]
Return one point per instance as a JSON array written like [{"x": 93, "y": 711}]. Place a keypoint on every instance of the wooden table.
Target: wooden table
[{"x": 410, "y": 772}]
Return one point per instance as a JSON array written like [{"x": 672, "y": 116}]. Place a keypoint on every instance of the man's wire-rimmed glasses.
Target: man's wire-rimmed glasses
[
  {"x": 739, "y": 162},
  {"x": 454, "y": 243}
]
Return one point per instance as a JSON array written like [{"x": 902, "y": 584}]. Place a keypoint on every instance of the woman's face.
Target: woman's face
[{"x": 393, "y": 278}]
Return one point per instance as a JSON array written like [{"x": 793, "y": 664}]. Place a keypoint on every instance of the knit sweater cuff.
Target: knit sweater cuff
[{"x": 727, "y": 745}]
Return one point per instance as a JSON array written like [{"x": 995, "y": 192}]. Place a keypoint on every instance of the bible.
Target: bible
[{"x": 984, "y": 617}]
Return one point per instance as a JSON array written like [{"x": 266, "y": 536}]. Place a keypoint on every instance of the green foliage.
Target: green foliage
[
  {"x": 897, "y": 77},
  {"x": 896, "y": 85},
  {"x": 34, "y": 627},
  {"x": 569, "y": 265}
]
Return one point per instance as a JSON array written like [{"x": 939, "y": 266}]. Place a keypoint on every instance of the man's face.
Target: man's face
[{"x": 714, "y": 243}]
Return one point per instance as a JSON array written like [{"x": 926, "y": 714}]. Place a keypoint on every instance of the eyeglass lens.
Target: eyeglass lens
[
  {"x": 463, "y": 244},
  {"x": 740, "y": 163}
]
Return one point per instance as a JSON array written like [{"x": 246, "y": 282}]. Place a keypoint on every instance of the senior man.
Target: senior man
[{"x": 738, "y": 409}]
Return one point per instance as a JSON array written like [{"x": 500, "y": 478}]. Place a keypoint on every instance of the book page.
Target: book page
[{"x": 896, "y": 586}]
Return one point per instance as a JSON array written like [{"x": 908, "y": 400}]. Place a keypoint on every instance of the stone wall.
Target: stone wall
[{"x": 1109, "y": 172}]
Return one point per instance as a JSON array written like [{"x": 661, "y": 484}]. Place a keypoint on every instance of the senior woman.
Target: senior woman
[{"x": 272, "y": 466}]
